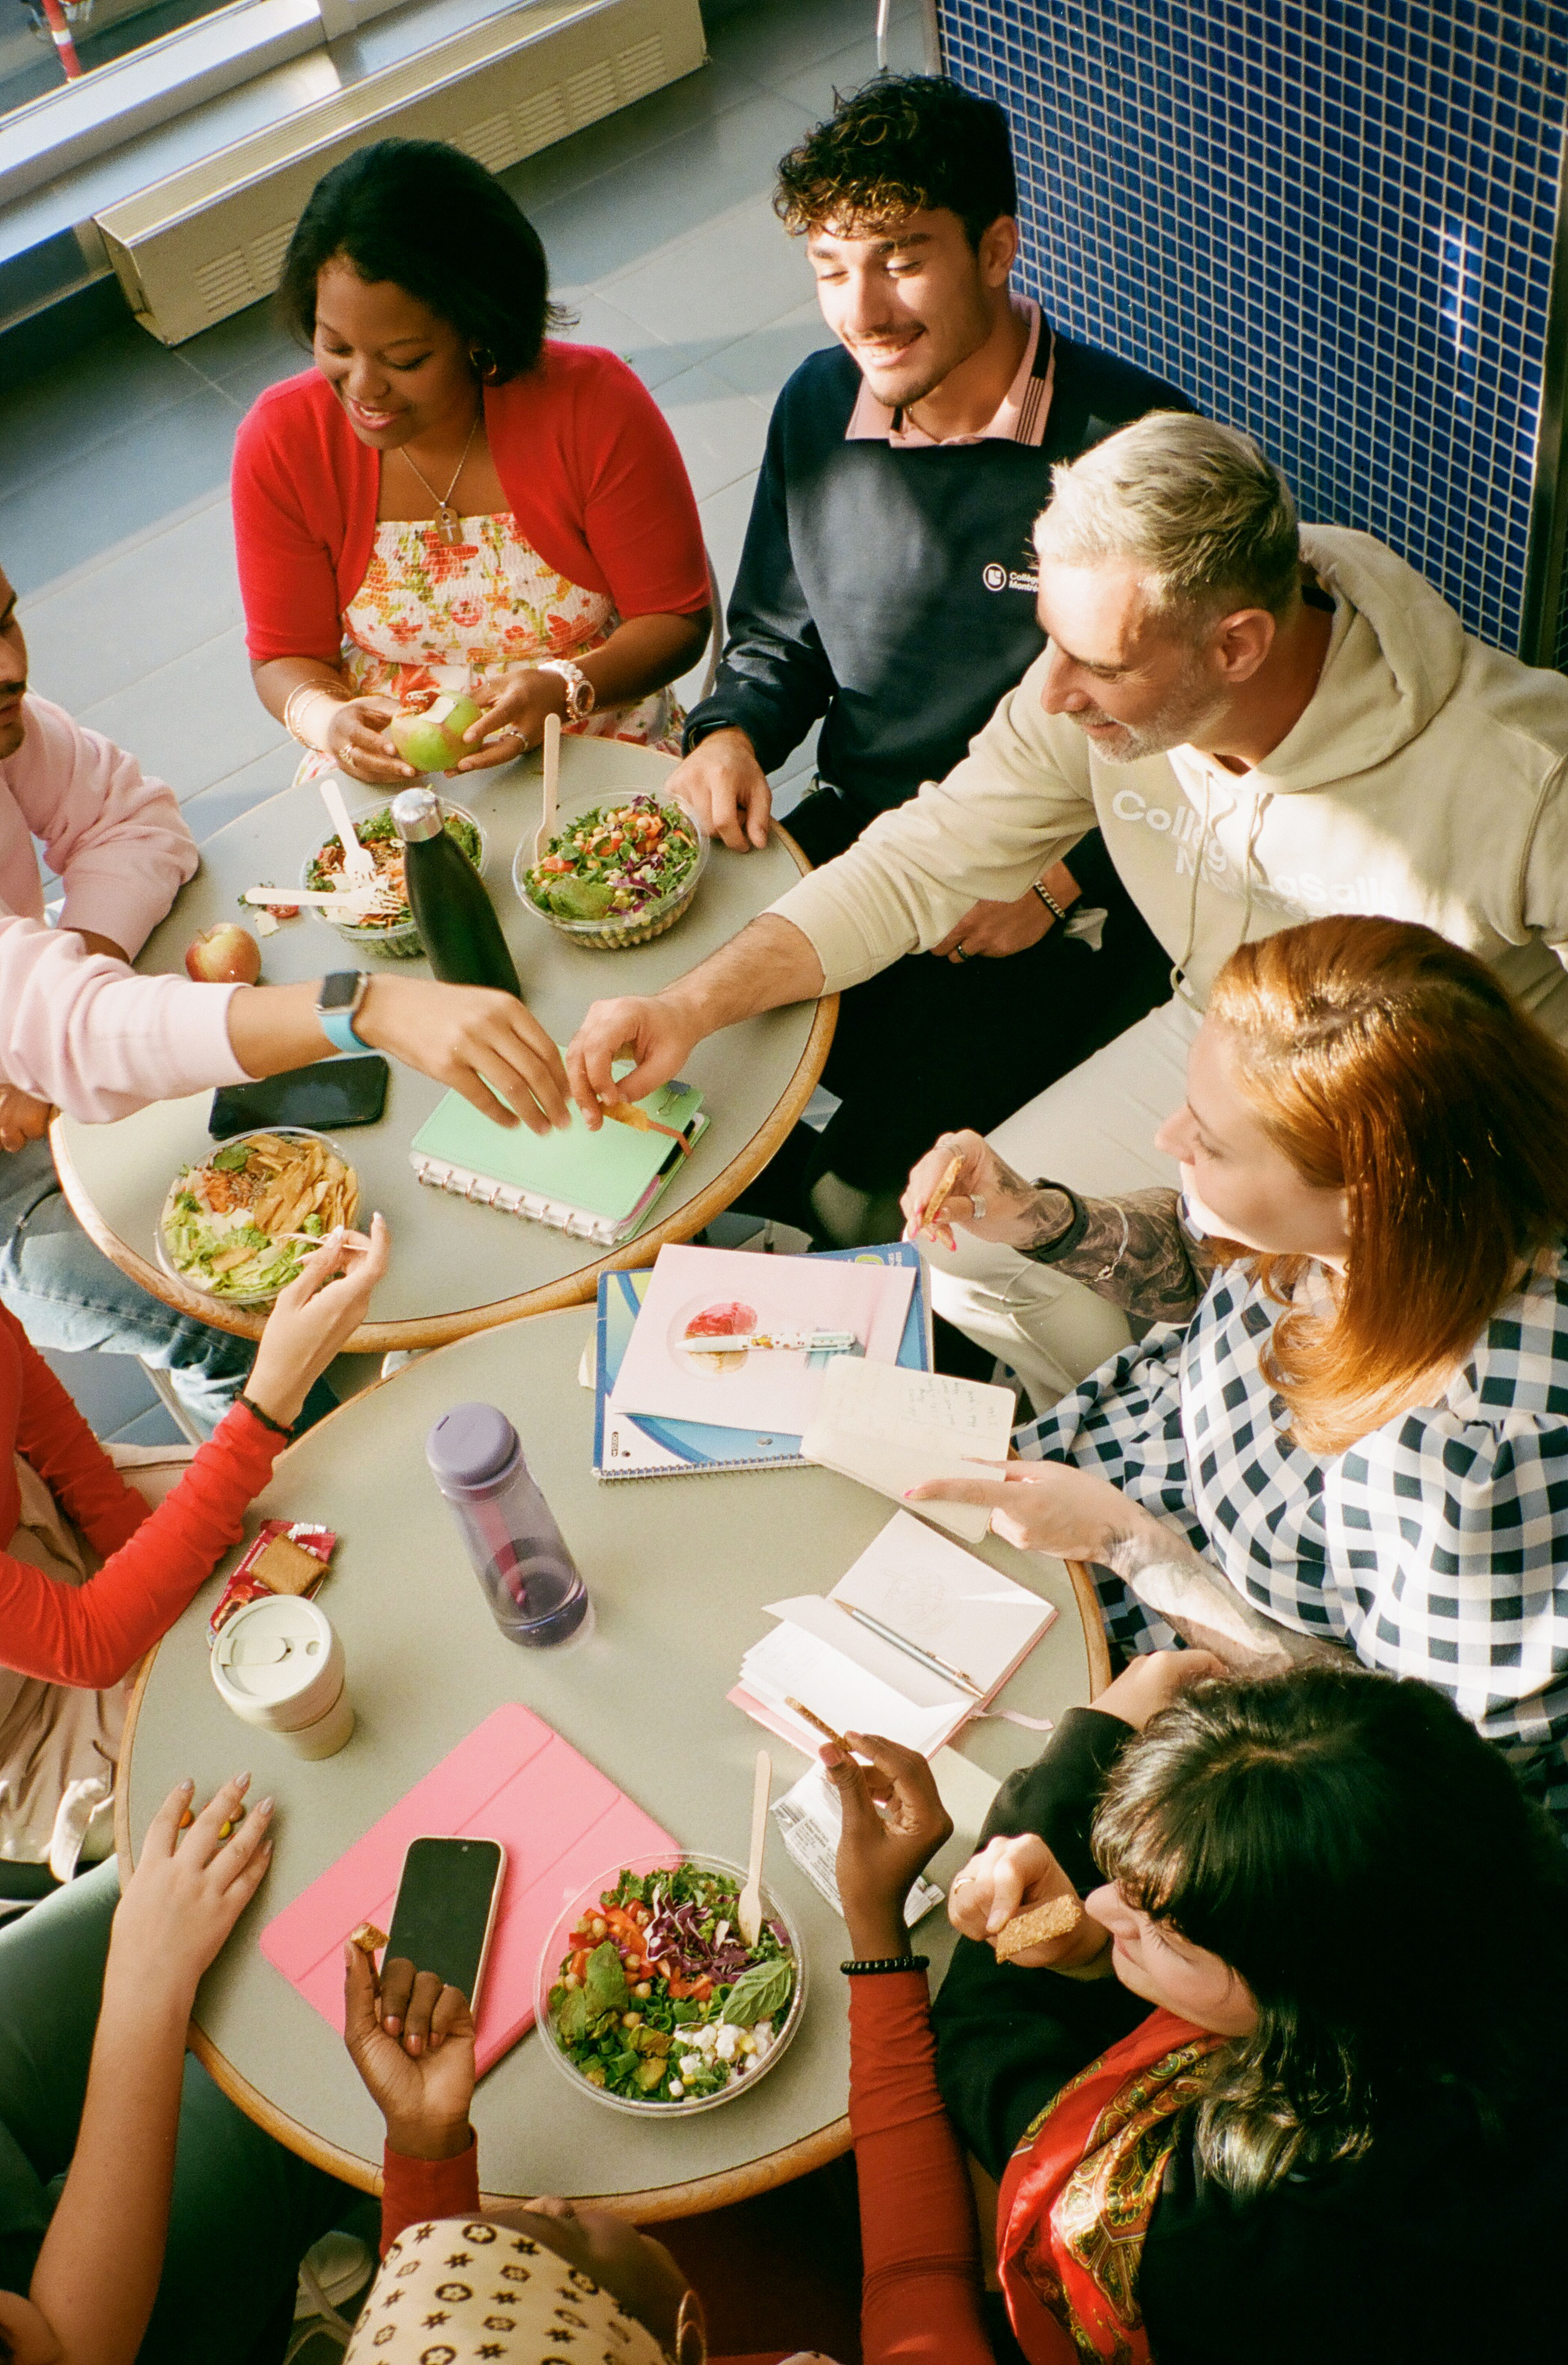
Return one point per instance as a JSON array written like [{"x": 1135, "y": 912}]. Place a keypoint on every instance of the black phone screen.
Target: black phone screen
[
  {"x": 441, "y": 1918},
  {"x": 331, "y": 1093}
]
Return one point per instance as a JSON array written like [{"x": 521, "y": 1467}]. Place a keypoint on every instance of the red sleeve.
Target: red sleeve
[
  {"x": 52, "y": 1435},
  {"x": 90, "y": 1634},
  {"x": 597, "y": 482},
  {"x": 921, "y": 2297},
  {"x": 414, "y": 2189},
  {"x": 291, "y": 523}
]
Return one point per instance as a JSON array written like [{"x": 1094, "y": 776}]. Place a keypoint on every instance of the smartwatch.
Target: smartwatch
[{"x": 337, "y": 1006}]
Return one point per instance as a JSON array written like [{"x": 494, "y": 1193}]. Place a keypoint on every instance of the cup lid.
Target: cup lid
[
  {"x": 272, "y": 1649},
  {"x": 470, "y": 1445}
]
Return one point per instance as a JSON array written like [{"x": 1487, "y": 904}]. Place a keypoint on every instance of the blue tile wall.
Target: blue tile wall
[{"x": 1331, "y": 224}]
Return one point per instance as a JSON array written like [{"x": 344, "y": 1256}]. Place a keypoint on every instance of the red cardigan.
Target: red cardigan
[
  {"x": 921, "y": 2301},
  {"x": 154, "y": 1561},
  {"x": 592, "y": 472}
]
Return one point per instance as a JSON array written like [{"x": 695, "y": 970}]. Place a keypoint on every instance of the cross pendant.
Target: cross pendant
[{"x": 451, "y": 529}]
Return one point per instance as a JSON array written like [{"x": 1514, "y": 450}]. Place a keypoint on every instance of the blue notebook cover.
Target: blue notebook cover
[{"x": 649, "y": 1448}]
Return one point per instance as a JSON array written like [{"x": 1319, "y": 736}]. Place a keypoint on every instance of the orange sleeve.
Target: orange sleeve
[
  {"x": 921, "y": 2297},
  {"x": 414, "y": 2189},
  {"x": 90, "y": 1634},
  {"x": 52, "y": 1435}
]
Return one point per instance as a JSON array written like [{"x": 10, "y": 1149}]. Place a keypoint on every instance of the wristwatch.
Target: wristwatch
[
  {"x": 337, "y": 1006},
  {"x": 579, "y": 690}
]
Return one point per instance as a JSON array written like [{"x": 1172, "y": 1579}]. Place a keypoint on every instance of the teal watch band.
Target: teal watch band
[
  {"x": 337, "y": 1006},
  {"x": 338, "y": 1028}
]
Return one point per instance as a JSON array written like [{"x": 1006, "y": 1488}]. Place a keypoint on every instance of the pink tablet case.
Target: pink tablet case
[{"x": 560, "y": 1822}]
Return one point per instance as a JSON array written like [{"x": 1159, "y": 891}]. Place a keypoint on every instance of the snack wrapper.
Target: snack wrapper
[{"x": 246, "y": 1586}]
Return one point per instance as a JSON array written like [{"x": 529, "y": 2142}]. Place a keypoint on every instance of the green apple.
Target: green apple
[{"x": 432, "y": 738}]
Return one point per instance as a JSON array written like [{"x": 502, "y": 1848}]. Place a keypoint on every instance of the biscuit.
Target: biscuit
[
  {"x": 367, "y": 1938},
  {"x": 1054, "y": 1919},
  {"x": 283, "y": 1566}
]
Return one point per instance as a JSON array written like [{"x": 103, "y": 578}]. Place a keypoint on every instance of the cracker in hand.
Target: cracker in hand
[
  {"x": 367, "y": 1938},
  {"x": 1036, "y": 1925}
]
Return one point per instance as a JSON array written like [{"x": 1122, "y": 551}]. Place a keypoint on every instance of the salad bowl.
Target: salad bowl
[
  {"x": 686, "y": 2015},
  {"x": 394, "y": 935},
  {"x": 274, "y": 1192},
  {"x": 607, "y": 880}
]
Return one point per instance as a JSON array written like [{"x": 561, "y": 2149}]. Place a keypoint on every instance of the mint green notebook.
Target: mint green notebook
[{"x": 597, "y": 1186}]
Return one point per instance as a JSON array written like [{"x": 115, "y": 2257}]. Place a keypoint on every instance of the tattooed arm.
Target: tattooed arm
[
  {"x": 1133, "y": 1250},
  {"x": 1051, "y": 1506}
]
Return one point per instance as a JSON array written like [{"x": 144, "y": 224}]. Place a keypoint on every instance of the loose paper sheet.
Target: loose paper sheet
[
  {"x": 889, "y": 1429},
  {"x": 725, "y": 1290}
]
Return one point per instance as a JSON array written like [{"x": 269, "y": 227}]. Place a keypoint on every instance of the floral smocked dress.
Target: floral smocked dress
[{"x": 448, "y": 616}]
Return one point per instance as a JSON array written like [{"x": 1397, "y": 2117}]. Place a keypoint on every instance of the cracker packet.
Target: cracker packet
[{"x": 277, "y": 1561}]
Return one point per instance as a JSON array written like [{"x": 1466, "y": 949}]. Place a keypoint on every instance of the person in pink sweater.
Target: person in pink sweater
[{"x": 80, "y": 1031}]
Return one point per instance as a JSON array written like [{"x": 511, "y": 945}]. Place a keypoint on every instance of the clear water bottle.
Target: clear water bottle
[
  {"x": 532, "y": 1584},
  {"x": 456, "y": 917}
]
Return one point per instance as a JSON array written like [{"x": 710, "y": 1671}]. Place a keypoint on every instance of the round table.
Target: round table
[
  {"x": 458, "y": 1268},
  {"x": 679, "y": 1574}
]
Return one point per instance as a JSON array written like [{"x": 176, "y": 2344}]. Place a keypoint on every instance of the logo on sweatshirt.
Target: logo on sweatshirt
[{"x": 997, "y": 578}]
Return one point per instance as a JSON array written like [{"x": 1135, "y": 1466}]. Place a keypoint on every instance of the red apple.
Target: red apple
[{"x": 226, "y": 955}]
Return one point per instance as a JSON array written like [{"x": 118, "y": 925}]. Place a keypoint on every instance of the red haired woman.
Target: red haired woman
[{"x": 1348, "y": 1430}]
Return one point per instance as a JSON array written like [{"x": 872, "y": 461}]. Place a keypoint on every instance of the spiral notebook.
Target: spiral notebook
[
  {"x": 644, "y": 1446},
  {"x": 598, "y": 1186}
]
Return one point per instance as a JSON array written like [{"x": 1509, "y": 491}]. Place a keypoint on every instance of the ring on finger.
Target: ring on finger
[
  {"x": 962, "y": 953},
  {"x": 976, "y": 1205}
]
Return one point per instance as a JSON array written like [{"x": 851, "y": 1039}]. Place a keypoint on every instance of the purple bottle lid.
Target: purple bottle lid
[{"x": 470, "y": 1447}]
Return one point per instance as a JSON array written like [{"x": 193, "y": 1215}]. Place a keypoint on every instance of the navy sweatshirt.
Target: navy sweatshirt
[{"x": 894, "y": 591}]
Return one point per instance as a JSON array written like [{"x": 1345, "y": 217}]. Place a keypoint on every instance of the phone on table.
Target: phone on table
[
  {"x": 446, "y": 1910},
  {"x": 327, "y": 1094}
]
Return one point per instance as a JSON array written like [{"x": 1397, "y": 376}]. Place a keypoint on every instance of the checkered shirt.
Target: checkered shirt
[{"x": 1437, "y": 1546}]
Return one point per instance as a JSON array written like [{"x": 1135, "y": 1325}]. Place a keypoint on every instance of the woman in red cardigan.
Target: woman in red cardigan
[
  {"x": 69, "y": 1638},
  {"x": 449, "y": 500}
]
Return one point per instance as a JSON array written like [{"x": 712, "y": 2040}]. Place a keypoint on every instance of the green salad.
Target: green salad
[
  {"x": 615, "y": 860},
  {"x": 241, "y": 1225},
  {"x": 659, "y": 1999},
  {"x": 379, "y": 838}
]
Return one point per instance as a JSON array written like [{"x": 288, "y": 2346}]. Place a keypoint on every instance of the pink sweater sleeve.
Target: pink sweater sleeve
[
  {"x": 116, "y": 840},
  {"x": 82, "y": 1031}
]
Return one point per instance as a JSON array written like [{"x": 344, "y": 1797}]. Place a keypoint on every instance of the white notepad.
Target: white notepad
[
  {"x": 891, "y": 1429},
  {"x": 929, "y": 1593}
]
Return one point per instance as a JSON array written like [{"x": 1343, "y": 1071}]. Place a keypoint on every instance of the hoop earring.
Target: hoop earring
[
  {"x": 485, "y": 364},
  {"x": 690, "y": 2331}
]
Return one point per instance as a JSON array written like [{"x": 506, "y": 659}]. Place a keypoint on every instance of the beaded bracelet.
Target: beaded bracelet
[
  {"x": 265, "y": 1418},
  {"x": 887, "y": 1962}
]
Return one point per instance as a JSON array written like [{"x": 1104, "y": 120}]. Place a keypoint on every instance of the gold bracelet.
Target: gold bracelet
[{"x": 305, "y": 689}]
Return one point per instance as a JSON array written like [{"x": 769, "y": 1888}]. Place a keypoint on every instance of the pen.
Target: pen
[
  {"x": 910, "y": 1650},
  {"x": 778, "y": 1342}
]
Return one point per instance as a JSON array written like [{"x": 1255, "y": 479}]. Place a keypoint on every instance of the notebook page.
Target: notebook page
[
  {"x": 791, "y": 1663},
  {"x": 945, "y": 1599}
]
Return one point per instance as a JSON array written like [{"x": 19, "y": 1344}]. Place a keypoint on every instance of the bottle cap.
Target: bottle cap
[
  {"x": 471, "y": 1447},
  {"x": 416, "y": 814},
  {"x": 277, "y": 1663}
]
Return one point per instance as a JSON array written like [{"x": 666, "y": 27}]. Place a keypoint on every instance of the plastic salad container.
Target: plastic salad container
[
  {"x": 616, "y": 875},
  {"x": 210, "y": 1211},
  {"x": 394, "y": 937},
  {"x": 680, "y": 2052}
]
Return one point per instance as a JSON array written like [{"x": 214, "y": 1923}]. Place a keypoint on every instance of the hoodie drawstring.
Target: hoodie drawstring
[
  {"x": 1179, "y": 974},
  {"x": 1260, "y": 807}
]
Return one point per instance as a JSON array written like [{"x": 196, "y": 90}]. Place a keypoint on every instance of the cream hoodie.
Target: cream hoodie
[{"x": 1426, "y": 781}]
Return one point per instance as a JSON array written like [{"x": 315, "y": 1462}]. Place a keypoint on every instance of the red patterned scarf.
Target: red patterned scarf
[{"x": 1079, "y": 2192}]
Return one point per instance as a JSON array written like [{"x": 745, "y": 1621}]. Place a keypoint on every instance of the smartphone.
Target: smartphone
[
  {"x": 446, "y": 1910},
  {"x": 330, "y": 1093}
]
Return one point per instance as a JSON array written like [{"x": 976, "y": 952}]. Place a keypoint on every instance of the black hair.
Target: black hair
[
  {"x": 428, "y": 218},
  {"x": 904, "y": 144},
  {"x": 1370, "y": 1866}
]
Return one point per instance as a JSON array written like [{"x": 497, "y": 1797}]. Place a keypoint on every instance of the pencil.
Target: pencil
[
  {"x": 944, "y": 1182},
  {"x": 825, "y": 1729}
]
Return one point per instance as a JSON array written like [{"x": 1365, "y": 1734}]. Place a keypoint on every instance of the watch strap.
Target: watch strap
[
  {"x": 337, "y": 1026},
  {"x": 336, "y": 1020}
]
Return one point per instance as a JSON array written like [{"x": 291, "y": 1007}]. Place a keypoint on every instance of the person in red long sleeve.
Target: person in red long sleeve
[
  {"x": 69, "y": 1637},
  {"x": 526, "y": 2275}
]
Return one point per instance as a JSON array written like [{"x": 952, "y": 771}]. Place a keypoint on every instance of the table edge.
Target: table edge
[
  {"x": 1096, "y": 1648},
  {"x": 573, "y": 1289}
]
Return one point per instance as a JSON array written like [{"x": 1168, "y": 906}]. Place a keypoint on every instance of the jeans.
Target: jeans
[
  {"x": 243, "y": 2212},
  {"x": 68, "y": 1297}
]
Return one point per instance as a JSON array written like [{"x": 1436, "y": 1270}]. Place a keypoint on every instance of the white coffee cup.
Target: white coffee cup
[{"x": 278, "y": 1664}]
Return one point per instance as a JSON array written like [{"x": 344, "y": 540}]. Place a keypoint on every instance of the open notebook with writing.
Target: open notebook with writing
[
  {"x": 598, "y": 1186},
  {"x": 954, "y": 1631}
]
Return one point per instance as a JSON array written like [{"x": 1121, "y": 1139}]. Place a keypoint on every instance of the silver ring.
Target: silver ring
[
  {"x": 964, "y": 1881},
  {"x": 976, "y": 1206}
]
